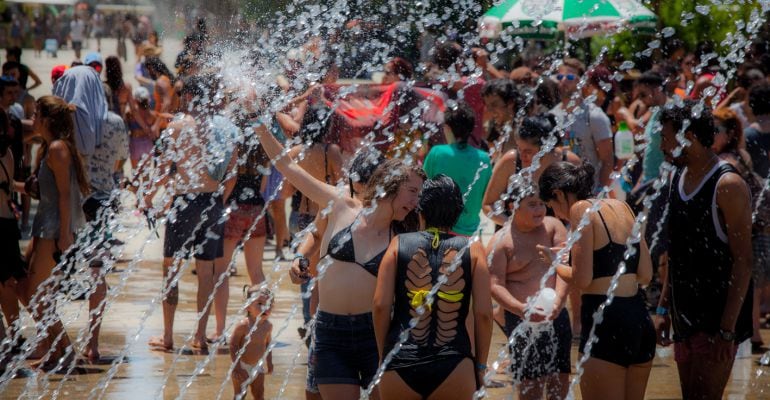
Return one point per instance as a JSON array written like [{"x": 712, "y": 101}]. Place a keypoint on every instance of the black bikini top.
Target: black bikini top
[
  {"x": 608, "y": 258},
  {"x": 341, "y": 248}
]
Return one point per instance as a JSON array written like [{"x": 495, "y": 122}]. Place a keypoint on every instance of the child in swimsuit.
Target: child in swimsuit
[{"x": 249, "y": 342}]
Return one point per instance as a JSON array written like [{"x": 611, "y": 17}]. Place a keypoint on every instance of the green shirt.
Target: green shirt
[
  {"x": 461, "y": 162},
  {"x": 653, "y": 155}
]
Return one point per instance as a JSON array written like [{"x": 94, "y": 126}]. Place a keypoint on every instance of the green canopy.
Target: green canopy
[{"x": 545, "y": 19}]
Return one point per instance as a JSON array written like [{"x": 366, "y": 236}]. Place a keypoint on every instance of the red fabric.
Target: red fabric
[{"x": 356, "y": 114}]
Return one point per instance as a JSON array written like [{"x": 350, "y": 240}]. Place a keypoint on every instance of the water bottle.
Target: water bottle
[
  {"x": 544, "y": 302},
  {"x": 624, "y": 142}
]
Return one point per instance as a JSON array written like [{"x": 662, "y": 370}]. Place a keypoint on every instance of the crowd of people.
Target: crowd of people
[{"x": 387, "y": 206}]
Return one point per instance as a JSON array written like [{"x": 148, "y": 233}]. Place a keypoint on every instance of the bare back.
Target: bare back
[{"x": 186, "y": 150}]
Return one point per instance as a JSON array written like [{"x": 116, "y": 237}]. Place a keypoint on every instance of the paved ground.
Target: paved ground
[{"x": 134, "y": 316}]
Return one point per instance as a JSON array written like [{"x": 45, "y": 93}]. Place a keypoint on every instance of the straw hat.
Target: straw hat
[{"x": 151, "y": 51}]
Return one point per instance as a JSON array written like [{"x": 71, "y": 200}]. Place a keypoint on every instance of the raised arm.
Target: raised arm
[{"x": 317, "y": 191}]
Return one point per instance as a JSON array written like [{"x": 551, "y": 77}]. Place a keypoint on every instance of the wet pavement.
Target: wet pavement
[
  {"x": 135, "y": 315},
  {"x": 169, "y": 375}
]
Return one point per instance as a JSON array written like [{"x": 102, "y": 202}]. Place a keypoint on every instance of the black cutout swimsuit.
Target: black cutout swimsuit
[{"x": 427, "y": 359}]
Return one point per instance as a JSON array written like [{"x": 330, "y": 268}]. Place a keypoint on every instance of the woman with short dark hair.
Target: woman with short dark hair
[{"x": 437, "y": 359}]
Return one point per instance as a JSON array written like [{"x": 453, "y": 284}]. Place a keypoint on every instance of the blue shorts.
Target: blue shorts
[{"x": 345, "y": 349}]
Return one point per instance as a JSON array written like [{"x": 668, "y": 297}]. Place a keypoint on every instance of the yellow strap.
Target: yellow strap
[
  {"x": 418, "y": 298},
  {"x": 452, "y": 296},
  {"x": 436, "y": 239}
]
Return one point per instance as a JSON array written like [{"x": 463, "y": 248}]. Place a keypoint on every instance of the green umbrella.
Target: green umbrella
[{"x": 545, "y": 19}]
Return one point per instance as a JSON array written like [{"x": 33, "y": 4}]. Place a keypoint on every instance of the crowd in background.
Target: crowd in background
[{"x": 491, "y": 142}]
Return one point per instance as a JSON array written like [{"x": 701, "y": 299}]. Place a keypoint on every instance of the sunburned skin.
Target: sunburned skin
[
  {"x": 517, "y": 266},
  {"x": 525, "y": 267}
]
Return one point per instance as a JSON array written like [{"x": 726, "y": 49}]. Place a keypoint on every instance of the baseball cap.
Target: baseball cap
[
  {"x": 57, "y": 72},
  {"x": 93, "y": 57}
]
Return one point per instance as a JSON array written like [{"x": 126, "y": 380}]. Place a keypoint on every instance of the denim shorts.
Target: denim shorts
[{"x": 345, "y": 349}]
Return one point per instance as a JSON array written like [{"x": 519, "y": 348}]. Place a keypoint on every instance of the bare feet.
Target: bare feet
[
  {"x": 215, "y": 338},
  {"x": 53, "y": 364},
  {"x": 159, "y": 343},
  {"x": 200, "y": 345},
  {"x": 92, "y": 355}
]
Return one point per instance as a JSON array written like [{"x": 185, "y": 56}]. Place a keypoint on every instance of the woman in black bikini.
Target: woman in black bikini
[
  {"x": 437, "y": 360},
  {"x": 345, "y": 347},
  {"x": 620, "y": 361}
]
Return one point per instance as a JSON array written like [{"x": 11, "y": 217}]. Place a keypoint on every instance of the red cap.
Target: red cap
[{"x": 57, "y": 72}]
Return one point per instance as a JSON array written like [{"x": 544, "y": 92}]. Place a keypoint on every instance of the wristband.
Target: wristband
[
  {"x": 662, "y": 311},
  {"x": 481, "y": 367}
]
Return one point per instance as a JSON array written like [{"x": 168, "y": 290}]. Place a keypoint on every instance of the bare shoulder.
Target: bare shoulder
[
  {"x": 733, "y": 189},
  {"x": 509, "y": 157},
  {"x": 501, "y": 240},
  {"x": 241, "y": 328},
  {"x": 552, "y": 224},
  {"x": 335, "y": 150},
  {"x": 579, "y": 208},
  {"x": 59, "y": 153}
]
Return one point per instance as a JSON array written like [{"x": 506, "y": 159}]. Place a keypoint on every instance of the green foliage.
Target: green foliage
[{"x": 691, "y": 26}]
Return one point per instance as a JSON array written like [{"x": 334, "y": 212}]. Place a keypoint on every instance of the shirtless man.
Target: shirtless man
[
  {"x": 541, "y": 359},
  {"x": 191, "y": 178}
]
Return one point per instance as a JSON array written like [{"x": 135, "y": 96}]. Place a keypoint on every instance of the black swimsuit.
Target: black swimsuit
[
  {"x": 440, "y": 341},
  {"x": 625, "y": 335},
  {"x": 341, "y": 248}
]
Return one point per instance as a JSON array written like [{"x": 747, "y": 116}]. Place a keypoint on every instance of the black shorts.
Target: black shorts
[
  {"x": 626, "y": 334},
  {"x": 345, "y": 349},
  {"x": 13, "y": 265},
  {"x": 546, "y": 354},
  {"x": 77, "y": 45},
  {"x": 195, "y": 227}
]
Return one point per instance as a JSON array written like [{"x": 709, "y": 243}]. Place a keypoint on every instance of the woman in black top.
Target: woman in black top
[
  {"x": 620, "y": 361},
  {"x": 436, "y": 360}
]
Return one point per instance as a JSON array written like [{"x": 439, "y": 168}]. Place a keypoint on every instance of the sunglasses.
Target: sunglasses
[{"x": 569, "y": 77}]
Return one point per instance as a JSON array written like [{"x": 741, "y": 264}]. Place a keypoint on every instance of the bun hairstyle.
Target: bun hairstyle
[
  {"x": 569, "y": 178},
  {"x": 60, "y": 120},
  {"x": 537, "y": 129}
]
